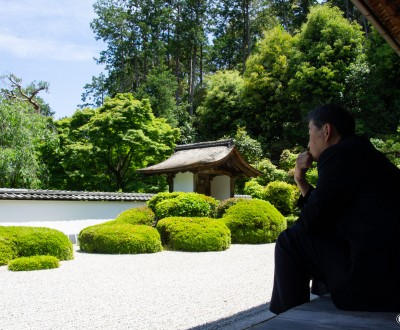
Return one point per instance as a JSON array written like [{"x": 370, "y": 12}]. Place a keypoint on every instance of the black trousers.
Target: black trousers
[{"x": 370, "y": 282}]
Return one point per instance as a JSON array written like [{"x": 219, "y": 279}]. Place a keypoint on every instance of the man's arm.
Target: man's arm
[{"x": 303, "y": 163}]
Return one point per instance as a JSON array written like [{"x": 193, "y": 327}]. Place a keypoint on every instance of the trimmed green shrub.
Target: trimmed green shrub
[
  {"x": 31, "y": 241},
  {"x": 137, "y": 216},
  {"x": 120, "y": 238},
  {"x": 226, "y": 204},
  {"x": 282, "y": 195},
  {"x": 152, "y": 202},
  {"x": 33, "y": 263},
  {"x": 8, "y": 250},
  {"x": 254, "y": 221},
  {"x": 19, "y": 241},
  {"x": 194, "y": 234},
  {"x": 186, "y": 205},
  {"x": 254, "y": 189}
]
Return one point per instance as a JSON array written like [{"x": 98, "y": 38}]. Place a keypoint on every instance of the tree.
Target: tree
[
  {"x": 379, "y": 99},
  {"x": 330, "y": 48},
  {"x": 271, "y": 114},
  {"x": 23, "y": 134},
  {"x": 291, "y": 13},
  {"x": 220, "y": 113},
  {"x": 14, "y": 90},
  {"x": 160, "y": 87},
  {"x": 95, "y": 92},
  {"x": 109, "y": 143}
]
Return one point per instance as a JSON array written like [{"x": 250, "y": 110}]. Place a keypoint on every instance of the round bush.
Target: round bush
[
  {"x": 120, "y": 238},
  {"x": 194, "y": 234},
  {"x": 33, "y": 263},
  {"x": 282, "y": 195},
  {"x": 137, "y": 216},
  {"x": 186, "y": 205},
  {"x": 254, "y": 221},
  {"x": 226, "y": 204},
  {"x": 31, "y": 241},
  {"x": 8, "y": 250},
  {"x": 152, "y": 202},
  {"x": 254, "y": 189}
]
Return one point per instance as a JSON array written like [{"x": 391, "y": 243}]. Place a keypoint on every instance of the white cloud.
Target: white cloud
[
  {"x": 48, "y": 29},
  {"x": 45, "y": 49}
]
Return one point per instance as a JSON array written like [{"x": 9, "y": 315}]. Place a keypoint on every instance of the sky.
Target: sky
[{"x": 50, "y": 40}]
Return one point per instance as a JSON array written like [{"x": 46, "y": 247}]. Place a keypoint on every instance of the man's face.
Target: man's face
[{"x": 317, "y": 142}]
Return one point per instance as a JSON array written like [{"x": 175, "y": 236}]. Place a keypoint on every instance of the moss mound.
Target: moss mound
[
  {"x": 120, "y": 238},
  {"x": 19, "y": 241},
  {"x": 254, "y": 222},
  {"x": 137, "y": 216},
  {"x": 194, "y": 234},
  {"x": 33, "y": 263}
]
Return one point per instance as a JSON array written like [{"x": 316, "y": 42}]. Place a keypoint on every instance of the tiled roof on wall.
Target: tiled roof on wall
[{"x": 31, "y": 194}]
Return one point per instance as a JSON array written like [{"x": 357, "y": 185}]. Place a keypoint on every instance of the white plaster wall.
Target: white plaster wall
[
  {"x": 184, "y": 182},
  {"x": 221, "y": 187},
  {"x": 38, "y": 210}
]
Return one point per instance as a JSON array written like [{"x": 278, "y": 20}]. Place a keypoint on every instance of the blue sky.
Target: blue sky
[{"x": 50, "y": 40}]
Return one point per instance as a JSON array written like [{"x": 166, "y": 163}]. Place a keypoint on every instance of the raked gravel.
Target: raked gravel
[{"x": 166, "y": 290}]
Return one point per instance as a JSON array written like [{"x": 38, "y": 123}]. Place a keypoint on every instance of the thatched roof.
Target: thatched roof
[
  {"x": 385, "y": 16},
  {"x": 215, "y": 157}
]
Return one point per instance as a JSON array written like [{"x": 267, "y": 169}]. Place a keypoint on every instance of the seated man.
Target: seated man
[{"x": 348, "y": 234}]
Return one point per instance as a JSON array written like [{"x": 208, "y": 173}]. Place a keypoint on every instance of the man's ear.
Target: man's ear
[{"x": 330, "y": 133}]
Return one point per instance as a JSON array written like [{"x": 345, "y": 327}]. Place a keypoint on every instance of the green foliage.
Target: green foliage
[
  {"x": 194, "y": 234},
  {"x": 33, "y": 263},
  {"x": 254, "y": 222},
  {"x": 18, "y": 241},
  {"x": 330, "y": 48},
  {"x": 254, "y": 189},
  {"x": 152, "y": 202},
  {"x": 31, "y": 241},
  {"x": 282, "y": 195},
  {"x": 23, "y": 135},
  {"x": 249, "y": 148},
  {"x": 390, "y": 147},
  {"x": 102, "y": 148},
  {"x": 183, "y": 204},
  {"x": 271, "y": 114},
  {"x": 137, "y": 216},
  {"x": 8, "y": 250},
  {"x": 220, "y": 113},
  {"x": 312, "y": 176},
  {"x": 160, "y": 87},
  {"x": 287, "y": 160},
  {"x": 226, "y": 204},
  {"x": 120, "y": 238},
  {"x": 379, "y": 111},
  {"x": 271, "y": 173}
]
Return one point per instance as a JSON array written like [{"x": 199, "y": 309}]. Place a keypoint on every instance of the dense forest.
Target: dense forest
[{"x": 182, "y": 71}]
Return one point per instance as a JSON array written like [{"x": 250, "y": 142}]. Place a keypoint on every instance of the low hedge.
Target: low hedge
[
  {"x": 197, "y": 234},
  {"x": 254, "y": 222},
  {"x": 183, "y": 204},
  {"x": 33, "y": 263},
  {"x": 137, "y": 216},
  {"x": 119, "y": 238},
  {"x": 19, "y": 241}
]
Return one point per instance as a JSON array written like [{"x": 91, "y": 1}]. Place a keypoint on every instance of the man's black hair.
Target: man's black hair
[{"x": 335, "y": 115}]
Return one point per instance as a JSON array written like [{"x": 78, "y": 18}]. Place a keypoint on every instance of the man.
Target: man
[{"x": 348, "y": 234}]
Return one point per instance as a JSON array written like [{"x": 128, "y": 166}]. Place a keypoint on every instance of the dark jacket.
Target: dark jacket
[
  {"x": 357, "y": 196},
  {"x": 356, "y": 202}
]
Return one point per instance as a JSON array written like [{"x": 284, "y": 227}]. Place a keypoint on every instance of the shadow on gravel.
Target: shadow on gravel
[{"x": 241, "y": 320}]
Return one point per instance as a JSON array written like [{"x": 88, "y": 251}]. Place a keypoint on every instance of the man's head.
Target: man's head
[{"x": 327, "y": 125}]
